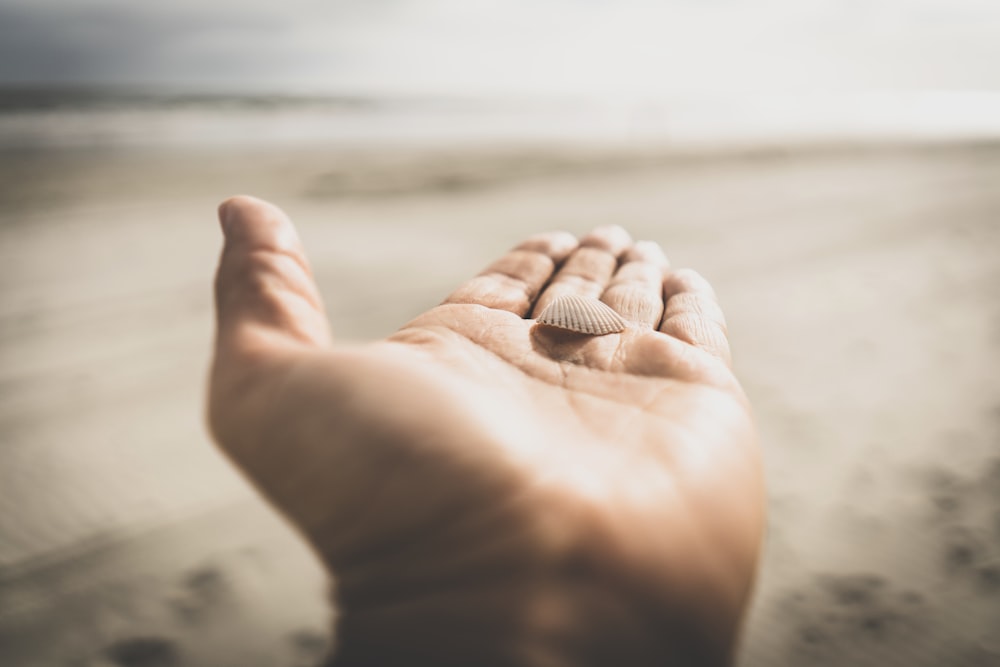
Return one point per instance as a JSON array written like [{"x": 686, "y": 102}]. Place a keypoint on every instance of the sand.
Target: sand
[{"x": 861, "y": 287}]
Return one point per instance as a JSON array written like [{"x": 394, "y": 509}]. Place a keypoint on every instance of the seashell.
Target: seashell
[{"x": 582, "y": 315}]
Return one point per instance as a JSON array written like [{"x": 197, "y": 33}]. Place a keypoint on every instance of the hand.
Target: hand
[{"x": 488, "y": 491}]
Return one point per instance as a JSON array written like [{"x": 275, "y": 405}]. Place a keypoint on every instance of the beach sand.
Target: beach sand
[{"x": 862, "y": 288}]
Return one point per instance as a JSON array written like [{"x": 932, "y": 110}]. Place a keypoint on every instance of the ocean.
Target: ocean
[{"x": 93, "y": 118}]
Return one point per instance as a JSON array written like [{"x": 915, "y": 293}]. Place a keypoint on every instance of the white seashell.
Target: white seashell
[{"x": 582, "y": 315}]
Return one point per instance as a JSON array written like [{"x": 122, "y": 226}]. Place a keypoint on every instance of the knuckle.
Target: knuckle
[
  {"x": 698, "y": 331},
  {"x": 506, "y": 282},
  {"x": 639, "y": 273},
  {"x": 696, "y": 305},
  {"x": 590, "y": 263},
  {"x": 579, "y": 283},
  {"x": 266, "y": 278},
  {"x": 262, "y": 271},
  {"x": 492, "y": 291},
  {"x": 523, "y": 264}
]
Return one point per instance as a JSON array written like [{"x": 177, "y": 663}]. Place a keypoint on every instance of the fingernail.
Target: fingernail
[{"x": 227, "y": 213}]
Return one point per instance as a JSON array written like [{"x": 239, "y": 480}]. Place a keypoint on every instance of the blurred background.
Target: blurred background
[{"x": 832, "y": 166}]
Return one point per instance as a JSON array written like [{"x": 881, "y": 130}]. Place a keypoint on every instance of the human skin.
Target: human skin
[{"x": 488, "y": 491}]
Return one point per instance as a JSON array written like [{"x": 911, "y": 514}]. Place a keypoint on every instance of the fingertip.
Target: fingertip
[
  {"x": 231, "y": 207},
  {"x": 686, "y": 280},
  {"x": 557, "y": 244},
  {"x": 610, "y": 238},
  {"x": 647, "y": 251},
  {"x": 252, "y": 223}
]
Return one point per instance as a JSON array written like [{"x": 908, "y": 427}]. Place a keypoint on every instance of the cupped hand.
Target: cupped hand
[{"x": 486, "y": 490}]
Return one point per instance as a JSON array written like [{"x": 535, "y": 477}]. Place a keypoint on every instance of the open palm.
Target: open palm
[{"x": 489, "y": 491}]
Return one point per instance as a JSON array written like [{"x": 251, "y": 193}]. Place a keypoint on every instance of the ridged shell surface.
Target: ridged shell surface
[{"x": 582, "y": 315}]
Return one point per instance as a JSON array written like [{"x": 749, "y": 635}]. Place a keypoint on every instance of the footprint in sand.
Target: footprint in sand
[
  {"x": 199, "y": 590},
  {"x": 309, "y": 647},
  {"x": 143, "y": 652},
  {"x": 847, "y": 613},
  {"x": 966, "y": 518}
]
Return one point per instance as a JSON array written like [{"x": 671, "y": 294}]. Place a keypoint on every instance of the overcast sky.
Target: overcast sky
[{"x": 629, "y": 48}]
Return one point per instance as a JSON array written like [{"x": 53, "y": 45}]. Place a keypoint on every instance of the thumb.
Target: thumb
[{"x": 266, "y": 299}]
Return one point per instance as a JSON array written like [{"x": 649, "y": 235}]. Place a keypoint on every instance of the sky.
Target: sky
[{"x": 632, "y": 49}]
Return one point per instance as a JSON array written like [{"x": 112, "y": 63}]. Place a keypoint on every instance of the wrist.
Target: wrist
[
  {"x": 523, "y": 624},
  {"x": 527, "y": 602}
]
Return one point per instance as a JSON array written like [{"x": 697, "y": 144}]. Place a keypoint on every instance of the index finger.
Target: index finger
[{"x": 514, "y": 281}]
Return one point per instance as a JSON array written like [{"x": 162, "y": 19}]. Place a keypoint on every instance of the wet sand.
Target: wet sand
[{"x": 862, "y": 289}]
